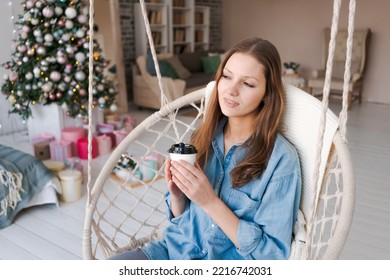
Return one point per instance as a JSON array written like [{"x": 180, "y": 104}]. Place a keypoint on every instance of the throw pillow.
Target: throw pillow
[
  {"x": 166, "y": 69},
  {"x": 192, "y": 61},
  {"x": 169, "y": 71},
  {"x": 210, "y": 63},
  {"x": 181, "y": 71}
]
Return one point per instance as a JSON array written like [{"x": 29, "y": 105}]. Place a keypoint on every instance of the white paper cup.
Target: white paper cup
[
  {"x": 181, "y": 151},
  {"x": 191, "y": 158}
]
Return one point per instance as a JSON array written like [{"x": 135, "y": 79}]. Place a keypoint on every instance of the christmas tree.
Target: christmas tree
[{"x": 50, "y": 63}]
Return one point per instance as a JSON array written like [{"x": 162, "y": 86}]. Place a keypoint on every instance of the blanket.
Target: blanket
[{"x": 21, "y": 177}]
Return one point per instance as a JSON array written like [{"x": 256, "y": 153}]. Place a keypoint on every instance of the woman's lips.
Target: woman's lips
[{"x": 230, "y": 103}]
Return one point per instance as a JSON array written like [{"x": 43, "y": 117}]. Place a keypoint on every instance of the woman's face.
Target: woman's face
[{"x": 242, "y": 86}]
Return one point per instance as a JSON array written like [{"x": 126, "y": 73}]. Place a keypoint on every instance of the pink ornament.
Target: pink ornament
[
  {"x": 22, "y": 48},
  {"x": 61, "y": 23},
  {"x": 68, "y": 68},
  {"x": 82, "y": 18},
  {"x": 25, "y": 29},
  {"x": 48, "y": 12},
  {"x": 70, "y": 12},
  {"x": 55, "y": 76},
  {"x": 83, "y": 92},
  {"x": 29, "y": 4},
  {"x": 13, "y": 76},
  {"x": 61, "y": 59},
  {"x": 59, "y": 95}
]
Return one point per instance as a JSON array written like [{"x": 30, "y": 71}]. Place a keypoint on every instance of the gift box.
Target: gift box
[
  {"x": 42, "y": 150},
  {"x": 105, "y": 127},
  {"x": 60, "y": 150},
  {"x": 110, "y": 117},
  {"x": 119, "y": 135},
  {"x": 72, "y": 134},
  {"x": 44, "y": 137},
  {"x": 104, "y": 144},
  {"x": 129, "y": 123},
  {"x": 112, "y": 136},
  {"x": 82, "y": 146},
  {"x": 118, "y": 125}
]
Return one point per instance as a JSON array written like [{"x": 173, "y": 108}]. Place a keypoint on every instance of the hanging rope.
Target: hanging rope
[
  {"x": 90, "y": 92},
  {"x": 163, "y": 97},
  {"x": 347, "y": 72},
  {"x": 325, "y": 101}
]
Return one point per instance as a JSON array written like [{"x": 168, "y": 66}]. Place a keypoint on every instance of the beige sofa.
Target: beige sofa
[{"x": 146, "y": 90}]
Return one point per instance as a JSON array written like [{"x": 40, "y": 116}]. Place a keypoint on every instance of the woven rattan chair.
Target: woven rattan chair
[{"x": 125, "y": 214}]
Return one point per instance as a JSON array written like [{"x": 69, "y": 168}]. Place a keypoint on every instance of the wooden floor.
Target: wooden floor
[{"x": 48, "y": 232}]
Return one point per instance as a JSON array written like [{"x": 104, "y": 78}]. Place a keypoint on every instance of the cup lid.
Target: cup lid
[{"x": 181, "y": 148}]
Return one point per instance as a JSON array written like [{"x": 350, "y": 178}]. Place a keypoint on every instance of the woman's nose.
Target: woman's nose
[{"x": 233, "y": 90}]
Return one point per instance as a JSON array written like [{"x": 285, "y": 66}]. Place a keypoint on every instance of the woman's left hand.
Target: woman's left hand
[{"x": 193, "y": 182}]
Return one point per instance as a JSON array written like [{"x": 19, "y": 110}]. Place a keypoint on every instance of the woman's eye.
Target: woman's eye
[
  {"x": 225, "y": 76},
  {"x": 248, "y": 85}
]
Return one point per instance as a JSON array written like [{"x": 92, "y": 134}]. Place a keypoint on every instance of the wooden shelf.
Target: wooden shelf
[{"x": 174, "y": 24}]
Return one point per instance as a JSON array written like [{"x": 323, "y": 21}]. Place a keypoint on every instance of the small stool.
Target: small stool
[{"x": 71, "y": 183}]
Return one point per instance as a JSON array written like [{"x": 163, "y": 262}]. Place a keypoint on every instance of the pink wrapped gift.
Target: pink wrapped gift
[
  {"x": 112, "y": 136},
  {"x": 104, "y": 144},
  {"x": 82, "y": 146},
  {"x": 129, "y": 123},
  {"x": 117, "y": 124},
  {"x": 72, "y": 134},
  {"x": 105, "y": 127},
  {"x": 44, "y": 137},
  {"x": 60, "y": 150},
  {"x": 119, "y": 135}
]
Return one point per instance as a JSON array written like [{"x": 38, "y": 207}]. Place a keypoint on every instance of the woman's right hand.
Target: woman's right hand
[{"x": 178, "y": 199}]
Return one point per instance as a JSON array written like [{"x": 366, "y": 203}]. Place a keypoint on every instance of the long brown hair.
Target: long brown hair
[{"x": 267, "y": 121}]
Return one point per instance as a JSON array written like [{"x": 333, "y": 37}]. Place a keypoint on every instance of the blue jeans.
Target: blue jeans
[{"x": 135, "y": 254}]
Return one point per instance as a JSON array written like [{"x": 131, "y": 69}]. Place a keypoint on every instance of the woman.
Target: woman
[{"x": 240, "y": 200}]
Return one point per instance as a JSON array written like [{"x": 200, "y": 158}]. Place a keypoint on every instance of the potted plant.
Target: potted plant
[{"x": 291, "y": 67}]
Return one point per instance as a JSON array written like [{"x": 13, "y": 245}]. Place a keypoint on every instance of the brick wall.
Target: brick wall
[
  {"x": 126, "y": 8},
  {"x": 215, "y": 22}
]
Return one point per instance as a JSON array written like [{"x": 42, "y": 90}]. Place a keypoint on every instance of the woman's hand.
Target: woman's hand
[
  {"x": 174, "y": 190},
  {"x": 192, "y": 181},
  {"x": 178, "y": 199}
]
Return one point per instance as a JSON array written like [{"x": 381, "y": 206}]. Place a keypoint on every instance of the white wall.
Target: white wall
[
  {"x": 6, "y": 34},
  {"x": 295, "y": 28}
]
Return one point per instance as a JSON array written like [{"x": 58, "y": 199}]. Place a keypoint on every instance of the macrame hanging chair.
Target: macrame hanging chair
[{"x": 124, "y": 213}]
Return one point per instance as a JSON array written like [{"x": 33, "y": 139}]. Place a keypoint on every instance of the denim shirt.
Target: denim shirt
[{"x": 267, "y": 209}]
